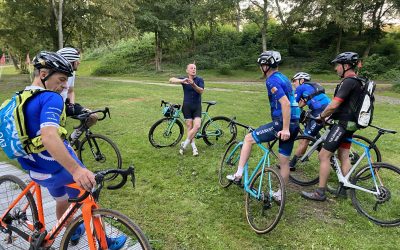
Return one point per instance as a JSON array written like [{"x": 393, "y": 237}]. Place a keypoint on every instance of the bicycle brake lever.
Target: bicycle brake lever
[{"x": 133, "y": 178}]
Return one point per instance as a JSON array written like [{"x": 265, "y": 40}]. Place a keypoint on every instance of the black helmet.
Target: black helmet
[
  {"x": 270, "y": 58},
  {"x": 350, "y": 58},
  {"x": 54, "y": 62}
]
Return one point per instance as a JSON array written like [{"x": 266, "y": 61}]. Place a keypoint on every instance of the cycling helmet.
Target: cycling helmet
[
  {"x": 270, "y": 58},
  {"x": 301, "y": 75},
  {"x": 71, "y": 54},
  {"x": 52, "y": 61},
  {"x": 350, "y": 58}
]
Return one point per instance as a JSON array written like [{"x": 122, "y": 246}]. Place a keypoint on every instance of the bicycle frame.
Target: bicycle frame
[
  {"x": 47, "y": 239},
  {"x": 264, "y": 161}
]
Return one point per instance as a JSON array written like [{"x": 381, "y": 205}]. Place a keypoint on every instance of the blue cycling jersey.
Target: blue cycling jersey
[
  {"x": 317, "y": 104},
  {"x": 189, "y": 94},
  {"x": 43, "y": 110},
  {"x": 278, "y": 85}
]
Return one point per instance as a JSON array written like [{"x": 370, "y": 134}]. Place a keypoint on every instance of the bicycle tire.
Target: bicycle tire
[
  {"x": 116, "y": 225},
  {"x": 229, "y": 164},
  {"x": 219, "y": 131},
  {"x": 10, "y": 188},
  {"x": 98, "y": 152},
  {"x": 171, "y": 137},
  {"x": 264, "y": 214},
  {"x": 367, "y": 204},
  {"x": 307, "y": 171}
]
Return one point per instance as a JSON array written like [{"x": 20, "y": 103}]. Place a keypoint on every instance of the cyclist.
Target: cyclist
[
  {"x": 312, "y": 95},
  {"x": 68, "y": 94},
  {"x": 193, "y": 88},
  {"x": 285, "y": 118},
  {"x": 341, "y": 111},
  {"x": 44, "y": 115}
]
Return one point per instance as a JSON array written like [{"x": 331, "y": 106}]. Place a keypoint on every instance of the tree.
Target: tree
[{"x": 258, "y": 13}]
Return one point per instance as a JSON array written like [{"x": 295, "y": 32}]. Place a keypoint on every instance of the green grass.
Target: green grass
[{"x": 178, "y": 201}]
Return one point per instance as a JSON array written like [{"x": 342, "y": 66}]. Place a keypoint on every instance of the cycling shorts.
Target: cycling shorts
[
  {"x": 191, "y": 110},
  {"x": 56, "y": 183},
  {"x": 312, "y": 128},
  {"x": 338, "y": 137},
  {"x": 269, "y": 131}
]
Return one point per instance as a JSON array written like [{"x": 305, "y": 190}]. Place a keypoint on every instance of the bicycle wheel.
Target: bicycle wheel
[
  {"x": 264, "y": 213},
  {"x": 22, "y": 216},
  {"x": 118, "y": 228},
  {"x": 229, "y": 163},
  {"x": 307, "y": 170},
  {"x": 384, "y": 208},
  {"x": 98, "y": 152},
  {"x": 164, "y": 134},
  {"x": 217, "y": 131}
]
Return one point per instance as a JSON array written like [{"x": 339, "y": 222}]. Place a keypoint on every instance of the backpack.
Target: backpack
[
  {"x": 364, "y": 107},
  {"x": 14, "y": 138},
  {"x": 318, "y": 90}
]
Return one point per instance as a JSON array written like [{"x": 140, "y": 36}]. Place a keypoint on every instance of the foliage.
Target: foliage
[{"x": 375, "y": 65}]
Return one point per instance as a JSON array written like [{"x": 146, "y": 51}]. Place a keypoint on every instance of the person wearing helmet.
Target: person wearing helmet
[
  {"x": 341, "y": 111},
  {"x": 193, "y": 88},
  {"x": 73, "y": 108},
  {"x": 313, "y": 95},
  {"x": 285, "y": 118},
  {"x": 44, "y": 114}
]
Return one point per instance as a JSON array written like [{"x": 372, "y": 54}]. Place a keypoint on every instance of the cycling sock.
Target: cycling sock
[
  {"x": 75, "y": 134},
  {"x": 193, "y": 145},
  {"x": 185, "y": 143},
  {"x": 239, "y": 171}
]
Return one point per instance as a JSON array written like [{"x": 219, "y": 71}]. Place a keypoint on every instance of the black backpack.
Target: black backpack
[{"x": 318, "y": 90}]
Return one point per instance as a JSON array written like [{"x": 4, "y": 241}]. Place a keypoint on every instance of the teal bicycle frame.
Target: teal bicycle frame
[{"x": 264, "y": 161}]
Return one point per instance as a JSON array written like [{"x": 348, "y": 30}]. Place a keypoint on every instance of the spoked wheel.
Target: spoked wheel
[
  {"x": 229, "y": 163},
  {"x": 217, "y": 131},
  {"x": 264, "y": 212},
  {"x": 23, "y": 215},
  {"x": 110, "y": 230},
  {"x": 166, "y": 132},
  {"x": 98, "y": 152},
  {"x": 382, "y": 209},
  {"x": 307, "y": 170}
]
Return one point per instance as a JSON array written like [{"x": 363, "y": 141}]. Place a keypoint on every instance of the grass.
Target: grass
[{"x": 178, "y": 201}]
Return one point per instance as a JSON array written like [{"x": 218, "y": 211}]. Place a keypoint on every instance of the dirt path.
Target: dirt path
[{"x": 379, "y": 98}]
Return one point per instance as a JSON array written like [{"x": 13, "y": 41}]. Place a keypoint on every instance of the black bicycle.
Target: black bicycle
[{"x": 96, "y": 150}]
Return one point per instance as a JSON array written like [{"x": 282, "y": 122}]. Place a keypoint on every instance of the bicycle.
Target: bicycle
[
  {"x": 168, "y": 131},
  {"x": 95, "y": 150},
  {"x": 263, "y": 212},
  {"x": 306, "y": 172},
  {"x": 22, "y": 222}
]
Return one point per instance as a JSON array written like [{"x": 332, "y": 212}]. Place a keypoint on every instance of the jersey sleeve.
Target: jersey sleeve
[
  {"x": 52, "y": 108},
  {"x": 201, "y": 83},
  {"x": 345, "y": 89},
  {"x": 276, "y": 89},
  {"x": 298, "y": 93}
]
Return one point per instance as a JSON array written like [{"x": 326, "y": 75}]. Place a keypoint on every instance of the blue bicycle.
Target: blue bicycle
[{"x": 265, "y": 189}]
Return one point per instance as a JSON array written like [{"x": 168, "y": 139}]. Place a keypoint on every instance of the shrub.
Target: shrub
[{"x": 374, "y": 65}]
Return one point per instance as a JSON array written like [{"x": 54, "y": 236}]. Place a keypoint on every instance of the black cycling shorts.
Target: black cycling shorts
[
  {"x": 191, "y": 110},
  {"x": 338, "y": 138}
]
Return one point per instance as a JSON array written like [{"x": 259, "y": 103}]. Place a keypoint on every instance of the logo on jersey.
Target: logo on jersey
[{"x": 273, "y": 90}]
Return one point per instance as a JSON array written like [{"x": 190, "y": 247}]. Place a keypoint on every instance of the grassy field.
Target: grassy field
[{"x": 178, "y": 201}]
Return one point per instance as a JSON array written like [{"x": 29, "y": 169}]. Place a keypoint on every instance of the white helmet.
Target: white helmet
[
  {"x": 302, "y": 75},
  {"x": 270, "y": 58},
  {"x": 70, "y": 54}
]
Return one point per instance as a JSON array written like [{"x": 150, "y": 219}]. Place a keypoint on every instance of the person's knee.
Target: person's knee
[
  {"x": 249, "y": 139},
  {"x": 324, "y": 155}
]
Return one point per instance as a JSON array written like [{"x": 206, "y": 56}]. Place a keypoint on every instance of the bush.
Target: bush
[
  {"x": 374, "y": 65},
  {"x": 225, "y": 69}
]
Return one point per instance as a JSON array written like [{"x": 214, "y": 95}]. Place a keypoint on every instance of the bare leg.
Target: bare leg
[
  {"x": 343, "y": 155},
  {"x": 325, "y": 167},
  {"x": 284, "y": 165},
  {"x": 61, "y": 207},
  {"x": 301, "y": 149},
  {"x": 245, "y": 153},
  {"x": 195, "y": 126}
]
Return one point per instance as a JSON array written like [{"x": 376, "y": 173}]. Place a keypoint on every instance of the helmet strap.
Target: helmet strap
[
  {"x": 345, "y": 70},
  {"x": 51, "y": 72}
]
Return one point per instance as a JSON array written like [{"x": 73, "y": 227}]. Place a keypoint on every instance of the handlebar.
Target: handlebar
[
  {"x": 84, "y": 116},
  {"x": 169, "y": 104},
  {"x": 233, "y": 121},
  {"x": 99, "y": 177}
]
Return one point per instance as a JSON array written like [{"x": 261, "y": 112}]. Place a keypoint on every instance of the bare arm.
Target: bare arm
[
  {"x": 71, "y": 95},
  {"x": 330, "y": 108},
  {"x": 302, "y": 103},
  {"x": 55, "y": 146},
  {"x": 177, "y": 80}
]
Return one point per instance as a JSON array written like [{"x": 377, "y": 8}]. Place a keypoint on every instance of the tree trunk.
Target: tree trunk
[
  {"x": 192, "y": 35},
  {"x": 339, "y": 41},
  {"x": 264, "y": 26},
  {"x": 13, "y": 59},
  {"x": 58, "y": 15},
  {"x": 158, "y": 51},
  {"x": 238, "y": 17}
]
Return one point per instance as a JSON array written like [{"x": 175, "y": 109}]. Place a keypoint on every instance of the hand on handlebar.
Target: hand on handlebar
[{"x": 84, "y": 178}]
